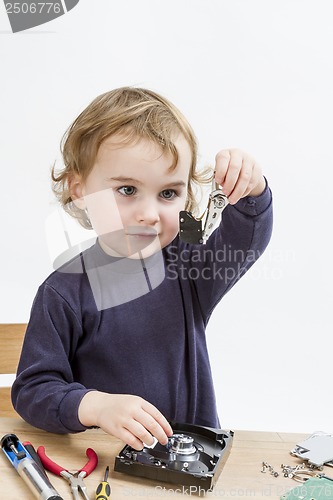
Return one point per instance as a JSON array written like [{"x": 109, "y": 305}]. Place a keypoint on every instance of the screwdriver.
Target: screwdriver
[{"x": 103, "y": 491}]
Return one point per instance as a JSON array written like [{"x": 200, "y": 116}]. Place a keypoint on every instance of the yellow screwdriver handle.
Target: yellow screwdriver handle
[{"x": 103, "y": 491}]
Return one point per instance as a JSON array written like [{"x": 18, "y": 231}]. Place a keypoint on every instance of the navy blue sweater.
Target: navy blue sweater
[{"x": 135, "y": 327}]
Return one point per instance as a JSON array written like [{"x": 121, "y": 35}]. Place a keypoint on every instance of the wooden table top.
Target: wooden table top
[{"x": 241, "y": 476}]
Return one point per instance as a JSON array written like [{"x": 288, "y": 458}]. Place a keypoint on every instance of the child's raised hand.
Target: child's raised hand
[
  {"x": 238, "y": 174},
  {"x": 129, "y": 418}
]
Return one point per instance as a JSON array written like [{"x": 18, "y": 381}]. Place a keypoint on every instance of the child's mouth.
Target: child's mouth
[{"x": 141, "y": 233}]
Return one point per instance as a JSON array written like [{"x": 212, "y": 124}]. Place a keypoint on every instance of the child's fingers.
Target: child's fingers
[
  {"x": 221, "y": 165},
  {"x": 156, "y": 423},
  {"x": 140, "y": 432},
  {"x": 142, "y": 428},
  {"x": 255, "y": 179},
  {"x": 232, "y": 174},
  {"x": 244, "y": 180},
  {"x": 129, "y": 438}
]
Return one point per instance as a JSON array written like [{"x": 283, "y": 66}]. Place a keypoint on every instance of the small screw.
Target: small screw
[{"x": 266, "y": 465}]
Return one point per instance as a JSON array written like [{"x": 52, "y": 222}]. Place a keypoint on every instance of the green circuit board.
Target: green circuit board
[{"x": 315, "y": 488}]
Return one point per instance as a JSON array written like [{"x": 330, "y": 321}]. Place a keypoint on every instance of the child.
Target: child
[{"x": 116, "y": 337}]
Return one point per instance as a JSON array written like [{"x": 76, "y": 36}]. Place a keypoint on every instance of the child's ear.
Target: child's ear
[{"x": 76, "y": 189}]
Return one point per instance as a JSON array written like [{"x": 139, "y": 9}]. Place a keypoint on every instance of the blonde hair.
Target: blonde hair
[{"x": 136, "y": 113}]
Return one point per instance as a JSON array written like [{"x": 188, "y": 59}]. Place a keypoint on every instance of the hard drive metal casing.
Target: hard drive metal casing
[{"x": 195, "y": 456}]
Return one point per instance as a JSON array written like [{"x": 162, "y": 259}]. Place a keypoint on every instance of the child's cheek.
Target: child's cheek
[
  {"x": 171, "y": 226},
  {"x": 103, "y": 212}
]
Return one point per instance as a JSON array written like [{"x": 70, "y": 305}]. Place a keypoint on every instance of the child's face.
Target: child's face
[{"x": 133, "y": 199}]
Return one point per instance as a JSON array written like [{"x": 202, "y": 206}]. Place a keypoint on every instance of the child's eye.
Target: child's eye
[
  {"x": 168, "y": 194},
  {"x": 127, "y": 190}
]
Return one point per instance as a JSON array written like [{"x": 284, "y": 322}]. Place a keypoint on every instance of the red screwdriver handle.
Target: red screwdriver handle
[
  {"x": 48, "y": 463},
  {"x": 92, "y": 462}
]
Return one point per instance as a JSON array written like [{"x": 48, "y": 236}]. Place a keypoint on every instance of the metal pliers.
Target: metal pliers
[
  {"x": 190, "y": 228},
  {"x": 75, "y": 479}
]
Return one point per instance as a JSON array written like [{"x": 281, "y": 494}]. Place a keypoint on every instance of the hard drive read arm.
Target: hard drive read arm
[{"x": 190, "y": 228}]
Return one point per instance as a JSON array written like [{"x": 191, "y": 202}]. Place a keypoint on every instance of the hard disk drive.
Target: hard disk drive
[{"x": 194, "y": 456}]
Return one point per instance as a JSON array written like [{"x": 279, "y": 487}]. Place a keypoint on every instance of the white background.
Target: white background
[{"x": 253, "y": 74}]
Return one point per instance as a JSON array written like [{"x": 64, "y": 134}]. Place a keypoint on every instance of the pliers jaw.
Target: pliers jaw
[
  {"x": 76, "y": 483},
  {"x": 190, "y": 228}
]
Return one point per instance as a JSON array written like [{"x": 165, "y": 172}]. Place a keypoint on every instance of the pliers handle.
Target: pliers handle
[
  {"x": 74, "y": 478},
  {"x": 57, "y": 469}
]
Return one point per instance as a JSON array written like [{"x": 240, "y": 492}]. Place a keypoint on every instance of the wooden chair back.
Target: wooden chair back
[{"x": 11, "y": 340}]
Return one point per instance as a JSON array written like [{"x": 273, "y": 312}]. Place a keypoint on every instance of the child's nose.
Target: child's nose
[{"x": 148, "y": 213}]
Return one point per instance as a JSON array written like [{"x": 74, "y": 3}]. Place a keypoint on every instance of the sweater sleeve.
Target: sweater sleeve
[
  {"x": 242, "y": 236},
  {"x": 44, "y": 392}
]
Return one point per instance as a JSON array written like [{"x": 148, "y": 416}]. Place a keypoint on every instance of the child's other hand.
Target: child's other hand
[
  {"x": 238, "y": 174},
  {"x": 129, "y": 418}
]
